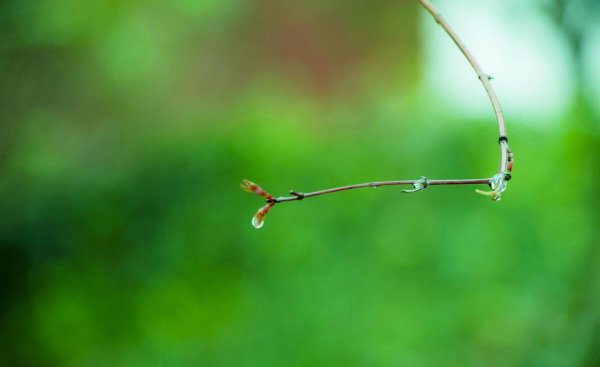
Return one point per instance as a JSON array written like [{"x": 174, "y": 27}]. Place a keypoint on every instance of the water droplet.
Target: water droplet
[
  {"x": 498, "y": 183},
  {"x": 259, "y": 218},
  {"x": 418, "y": 185},
  {"x": 257, "y": 223}
]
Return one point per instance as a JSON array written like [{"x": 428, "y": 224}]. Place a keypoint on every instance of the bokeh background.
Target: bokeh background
[{"x": 127, "y": 126}]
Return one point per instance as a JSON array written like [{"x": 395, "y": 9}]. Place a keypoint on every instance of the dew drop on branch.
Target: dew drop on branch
[{"x": 257, "y": 223}]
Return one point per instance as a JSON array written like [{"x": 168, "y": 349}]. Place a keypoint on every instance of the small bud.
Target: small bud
[
  {"x": 494, "y": 195},
  {"x": 418, "y": 185},
  {"x": 255, "y": 189},
  {"x": 258, "y": 220}
]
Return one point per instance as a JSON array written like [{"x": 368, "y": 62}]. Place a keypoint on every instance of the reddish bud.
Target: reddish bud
[
  {"x": 254, "y": 188},
  {"x": 259, "y": 218}
]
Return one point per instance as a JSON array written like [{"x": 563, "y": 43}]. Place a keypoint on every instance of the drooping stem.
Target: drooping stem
[
  {"x": 497, "y": 182},
  {"x": 506, "y": 156},
  {"x": 505, "y": 153}
]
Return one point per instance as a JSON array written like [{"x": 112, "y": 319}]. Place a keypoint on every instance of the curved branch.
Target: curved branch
[
  {"x": 497, "y": 183},
  {"x": 506, "y": 156}
]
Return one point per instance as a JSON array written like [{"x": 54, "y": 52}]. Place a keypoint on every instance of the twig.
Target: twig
[
  {"x": 506, "y": 157},
  {"x": 301, "y": 196},
  {"x": 497, "y": 183}
]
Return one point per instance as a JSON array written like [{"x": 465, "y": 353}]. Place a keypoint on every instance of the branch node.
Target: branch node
[
  {"x": 498, "y": 185},
  {"x": 299, "y": 195},
  {"x": 418, "y": 185}
]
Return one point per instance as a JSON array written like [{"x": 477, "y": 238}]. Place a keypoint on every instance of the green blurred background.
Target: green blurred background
[{"x": 126, "y": 127}]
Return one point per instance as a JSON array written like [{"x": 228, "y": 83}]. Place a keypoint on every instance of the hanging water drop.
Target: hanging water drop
[
  {"x": 498, "y": 183},
  {"x": 257, "y": 223},
  {"x": 418, "y": 185},
  {"x": 259, "y": 218}
]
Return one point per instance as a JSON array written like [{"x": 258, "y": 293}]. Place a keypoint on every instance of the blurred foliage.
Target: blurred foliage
[{"x": 126, "y": 127}]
